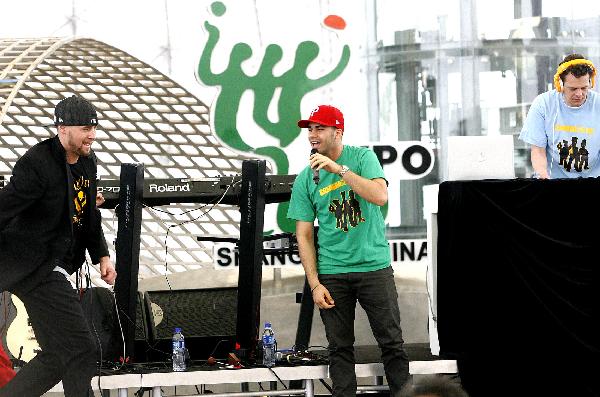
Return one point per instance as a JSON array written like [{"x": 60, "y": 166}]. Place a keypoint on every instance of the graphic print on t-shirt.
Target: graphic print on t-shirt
[
  {"x": 347, "y": 211},
  {"x": 81, "y": 187},
  {"x": 572, "y": 156}
]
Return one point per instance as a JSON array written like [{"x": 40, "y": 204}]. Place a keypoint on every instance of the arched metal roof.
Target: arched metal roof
[{"x": 145, "y": 117}]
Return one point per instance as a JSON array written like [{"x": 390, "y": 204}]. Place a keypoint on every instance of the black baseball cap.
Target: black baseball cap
[{"x": 75, "y": 110}]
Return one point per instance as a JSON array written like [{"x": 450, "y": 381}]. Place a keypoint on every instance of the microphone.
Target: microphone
[{"x": 315, "y": 171}]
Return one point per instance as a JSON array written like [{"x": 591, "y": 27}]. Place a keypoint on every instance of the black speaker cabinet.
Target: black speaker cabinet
[
  {"x": 141, "y": 343},
  {"x": 99, "y": 310},
  {"x": 207, "y": 318},
  {"x": 141, "y": 339}
]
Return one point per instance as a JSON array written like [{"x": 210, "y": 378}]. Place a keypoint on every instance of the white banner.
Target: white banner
[
  {"x": 402, "y": 160},
  {"x": 226, "y": 256}
]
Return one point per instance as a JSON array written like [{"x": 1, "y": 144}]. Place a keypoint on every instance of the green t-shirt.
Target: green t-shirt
[{"x": 351, "y": 230}]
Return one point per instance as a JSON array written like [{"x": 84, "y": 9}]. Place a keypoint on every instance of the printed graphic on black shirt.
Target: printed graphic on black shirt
[
  {"x": 347, "y": 211},
  {"x": 571, "y": 156},
  {"x": 81, "y": 187}
]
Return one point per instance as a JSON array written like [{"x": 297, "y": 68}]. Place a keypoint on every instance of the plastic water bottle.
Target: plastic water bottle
[
  {"x": 178, "y": 351},
  {"x": 269, "y": 345}
]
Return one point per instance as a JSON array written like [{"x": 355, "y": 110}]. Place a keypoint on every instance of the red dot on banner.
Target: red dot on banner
[{"x": 334, "y": 22}]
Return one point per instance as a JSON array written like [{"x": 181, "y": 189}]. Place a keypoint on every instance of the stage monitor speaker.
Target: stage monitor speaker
[{"x": 207, "y": 318}]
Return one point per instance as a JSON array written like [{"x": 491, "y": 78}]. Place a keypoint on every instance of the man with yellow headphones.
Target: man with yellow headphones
[{"x": 569, "y": 113}]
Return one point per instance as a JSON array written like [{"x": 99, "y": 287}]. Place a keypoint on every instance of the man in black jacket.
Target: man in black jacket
[{"x": 48, "y": 219}]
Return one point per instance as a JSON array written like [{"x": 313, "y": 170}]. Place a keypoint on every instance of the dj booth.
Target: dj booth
[{"x": 518, "y": 285}]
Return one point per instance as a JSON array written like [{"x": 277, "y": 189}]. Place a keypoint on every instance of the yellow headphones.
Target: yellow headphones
[{"x": 566, "y": 65}]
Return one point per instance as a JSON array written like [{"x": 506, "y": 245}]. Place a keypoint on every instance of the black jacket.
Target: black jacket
[{"x": 36, "y": 209}]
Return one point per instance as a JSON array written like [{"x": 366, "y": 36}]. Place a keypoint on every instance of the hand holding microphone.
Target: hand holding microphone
[
  {"x": 315, "y": 170},
  {"x": 320, "y": 161}
]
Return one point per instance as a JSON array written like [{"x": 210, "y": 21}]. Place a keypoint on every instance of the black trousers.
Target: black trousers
[
  {"x": 68, "y": 347},
  {"x": 376, "y": 293}
]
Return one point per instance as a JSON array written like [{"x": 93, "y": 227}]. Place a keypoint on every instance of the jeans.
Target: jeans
[
  {"x": 68, "y": 348},
  {"x": 376, "y": 293}
]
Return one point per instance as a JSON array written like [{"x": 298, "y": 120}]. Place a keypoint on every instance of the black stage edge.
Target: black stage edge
[
  {"x": 252, "y": 208},
  {"x": 129, "y": 213}
]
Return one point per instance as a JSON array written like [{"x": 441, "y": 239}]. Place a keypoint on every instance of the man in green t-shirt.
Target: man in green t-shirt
[{"x": 344, "y": 187}]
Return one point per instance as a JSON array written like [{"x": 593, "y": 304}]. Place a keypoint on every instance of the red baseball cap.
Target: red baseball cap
[{"x": 324, "y": 115}]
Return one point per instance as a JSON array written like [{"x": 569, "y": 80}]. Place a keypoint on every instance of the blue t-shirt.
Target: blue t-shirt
[{"x": 568, "y": 133}]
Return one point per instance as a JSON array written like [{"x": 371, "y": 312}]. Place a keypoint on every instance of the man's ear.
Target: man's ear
[{"x": 61, "y": 130}]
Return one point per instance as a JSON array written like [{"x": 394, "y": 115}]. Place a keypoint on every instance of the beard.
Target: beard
[
  {"x": 83, "y": 152},
  {"x": 79, "y": 148}
]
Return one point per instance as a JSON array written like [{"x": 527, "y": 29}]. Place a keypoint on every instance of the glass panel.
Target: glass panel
[
  {"x": 400, "y": 22},
  {"x": 465, "y": 68}
]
